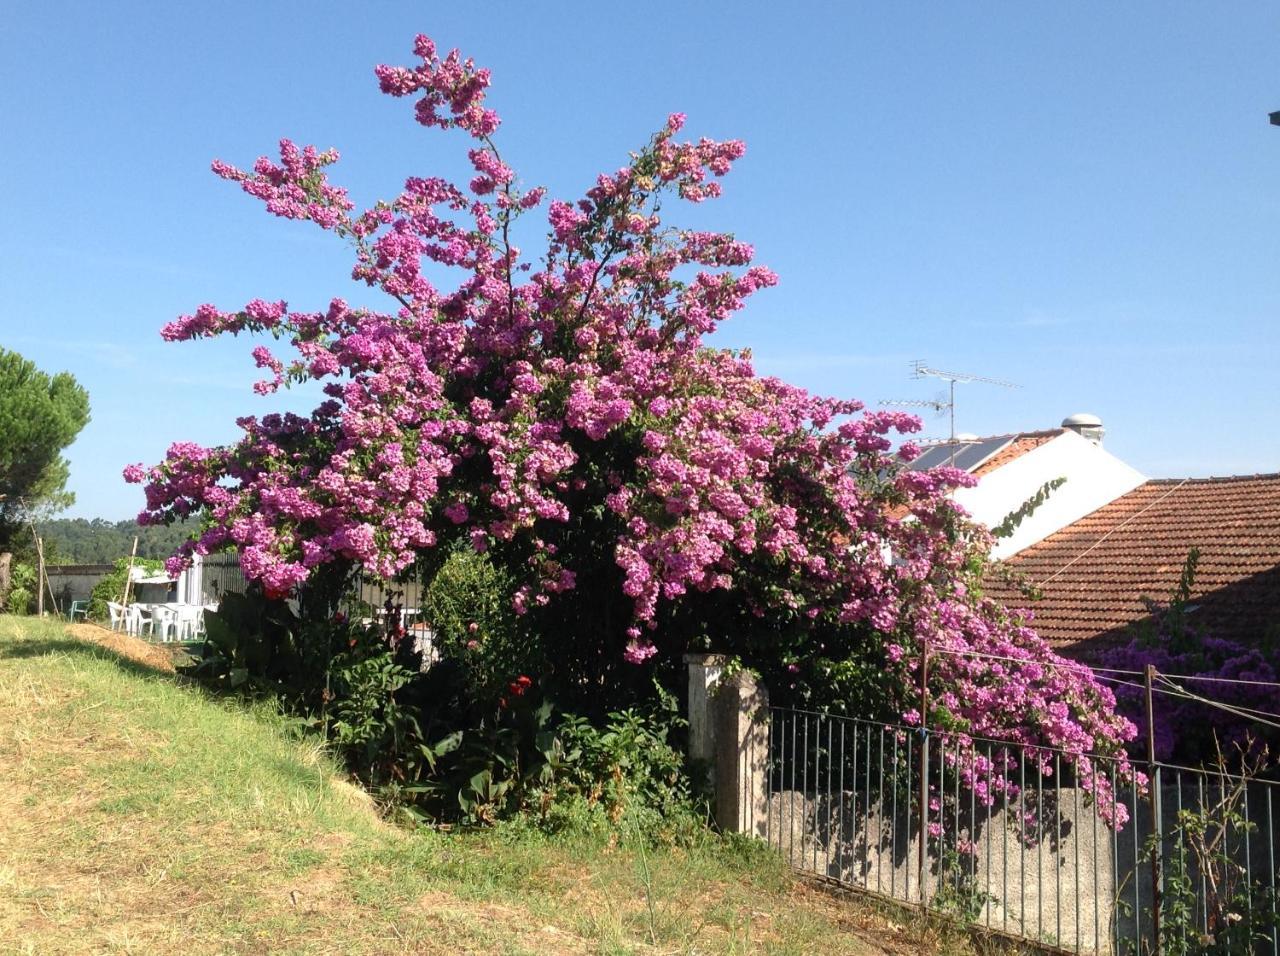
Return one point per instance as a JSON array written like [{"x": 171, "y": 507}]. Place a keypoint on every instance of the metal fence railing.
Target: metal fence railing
[
  {"x": 914, "y": 817},
  {"x": 221, "y": 574},
  {"x": 390, "y": 604}
]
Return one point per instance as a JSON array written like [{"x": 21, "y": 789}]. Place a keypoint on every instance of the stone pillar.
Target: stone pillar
[
  {"x": 729, "y": 735},
  {"x": 704, "y": 673},
  {"x": 741, "y": 709}
]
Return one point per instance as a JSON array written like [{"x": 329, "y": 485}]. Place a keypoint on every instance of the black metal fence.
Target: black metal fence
[
  {"x": 390, "y": 604},
  {"x": 914, "y": 816},
  {"x": 221, "y": 574}
]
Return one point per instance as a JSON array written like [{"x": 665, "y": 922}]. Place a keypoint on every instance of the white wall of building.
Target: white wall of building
[{"x": 1095, "y": 477}]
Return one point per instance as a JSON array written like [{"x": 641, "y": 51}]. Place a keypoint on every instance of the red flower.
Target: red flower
[{"x": 519, "y": 685}]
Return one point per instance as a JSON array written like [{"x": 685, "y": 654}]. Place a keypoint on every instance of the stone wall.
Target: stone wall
[
  {"x": 1055, "y": 890},
  {"x": 74, "y": 582}
]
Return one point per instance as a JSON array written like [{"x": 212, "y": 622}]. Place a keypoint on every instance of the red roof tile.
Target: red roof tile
[
  {"x": 1095, "y": 572},
  {"x": 1021, "y": 444}
]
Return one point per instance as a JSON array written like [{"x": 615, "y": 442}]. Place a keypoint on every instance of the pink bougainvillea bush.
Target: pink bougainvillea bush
[{"x": 563, "y": 413}]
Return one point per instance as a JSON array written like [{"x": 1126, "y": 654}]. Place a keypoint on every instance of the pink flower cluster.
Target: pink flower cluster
[{"x": 533, "y": 392}]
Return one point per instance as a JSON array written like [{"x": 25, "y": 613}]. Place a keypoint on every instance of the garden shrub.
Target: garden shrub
[
  {"x": 1186, "y": 730},
  {"x": 22, "y": 589},
  {"x": 468, "y": 607},
  {"x": 630, "y": 773},
  {"x": 565, "y": 773}
]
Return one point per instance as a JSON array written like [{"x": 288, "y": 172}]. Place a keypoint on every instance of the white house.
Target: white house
[{"x": 1012, "y": 469}]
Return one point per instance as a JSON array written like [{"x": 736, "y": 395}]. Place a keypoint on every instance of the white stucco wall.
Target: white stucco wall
[{"x": 1095, "y": 477}]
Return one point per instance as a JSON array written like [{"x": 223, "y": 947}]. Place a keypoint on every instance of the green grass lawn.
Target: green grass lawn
[{"x": 138, "y": 814}]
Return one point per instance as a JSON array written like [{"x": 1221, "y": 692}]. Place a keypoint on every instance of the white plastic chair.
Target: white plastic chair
[
  {"x": 190, "y": 622},
  {"x": 177, "y": 622},
  {"x": 139, "y": 619},
  {"x": 117, "y": 615},
  {"x": 163, "y": 621}
]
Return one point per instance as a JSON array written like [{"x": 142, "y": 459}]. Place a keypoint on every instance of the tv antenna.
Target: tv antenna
[{"x": 920, "y": 370}]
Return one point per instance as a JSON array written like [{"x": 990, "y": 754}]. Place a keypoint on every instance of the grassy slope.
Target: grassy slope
[{"x": 139, "y": 815}]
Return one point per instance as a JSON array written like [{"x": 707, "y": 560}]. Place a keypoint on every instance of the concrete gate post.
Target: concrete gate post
[{"x": 729, "y": 728}]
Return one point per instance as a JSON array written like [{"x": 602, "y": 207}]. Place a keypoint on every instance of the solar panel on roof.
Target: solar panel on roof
[
  {"x": 979, "y": 452},
  {"x": 968, "y": 455},
  {"x": 932, "y": 457}
]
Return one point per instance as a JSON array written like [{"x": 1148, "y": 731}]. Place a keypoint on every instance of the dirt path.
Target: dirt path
[{"x": 136, "y": 649}]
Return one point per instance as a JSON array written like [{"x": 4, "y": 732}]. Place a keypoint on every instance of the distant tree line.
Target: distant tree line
[{"x": 98, "y": 541}]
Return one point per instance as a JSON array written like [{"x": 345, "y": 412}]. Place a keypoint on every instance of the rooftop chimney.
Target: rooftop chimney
[{"x": 1086, "y": 426}]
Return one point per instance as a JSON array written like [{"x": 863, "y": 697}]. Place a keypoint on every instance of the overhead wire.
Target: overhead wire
[
  {"x": 1173, "y": 690},
  {"x": 1119, "y": 527},
  {"x": 1068, "y": 665},
  {"x": 1061, "y": 665},
  {"x": 1170, "y": 688},
  {"x": 1225, "y": 680},
  {"x": 1262, "y": 716}
]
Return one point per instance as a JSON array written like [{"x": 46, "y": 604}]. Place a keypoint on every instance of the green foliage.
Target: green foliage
[
  {"x": 959, "y": 891},
  {"x": 496, "y": 769},
  {"x": 98, "y": 541},
  {"x": 111, "y": 586},
  {"x": 1171, "y": 617},
  {"x": 40, "y": 415},
  {"x": 246, "y": 637},
  {"x": 623, "y": 776},
  {"x": 1025, "y": 510},
  {"x": 368, "y": 722},
  {"x": 630, "y": 772},
  {"x": 1211, "y": 904},
  {"x": 21, "y": 598},
  {"x": 468, "y": 604}
]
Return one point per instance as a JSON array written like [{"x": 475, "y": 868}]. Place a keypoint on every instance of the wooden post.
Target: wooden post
[
  {"x": 923, "y": 863},
  {"x": 128, "y": 578},
  {"x": 53, "y": 598},
  {"x": 1153, "y": 792},
  {"x": 6, "y": 562},
  {"x": 39, "y": 578}
]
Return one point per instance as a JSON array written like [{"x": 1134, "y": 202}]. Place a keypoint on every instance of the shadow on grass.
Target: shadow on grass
[{"x": 42, "y": 647}]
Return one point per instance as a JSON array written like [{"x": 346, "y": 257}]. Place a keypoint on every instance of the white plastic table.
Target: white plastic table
[{"x": 180, "y": 622}]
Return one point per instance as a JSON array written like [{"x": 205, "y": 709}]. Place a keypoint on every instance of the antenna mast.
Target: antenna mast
[{"x": 920, "y": 370}]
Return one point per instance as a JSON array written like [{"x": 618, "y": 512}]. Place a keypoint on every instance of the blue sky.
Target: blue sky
[{"x": 1080, "y": 198}]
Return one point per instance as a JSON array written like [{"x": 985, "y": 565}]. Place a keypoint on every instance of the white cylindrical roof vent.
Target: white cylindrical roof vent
[{"x": 1086, "y": 426}]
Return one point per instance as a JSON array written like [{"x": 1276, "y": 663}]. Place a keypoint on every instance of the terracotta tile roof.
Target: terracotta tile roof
[
  {"x": 1094, "y": 573},
  {"x": 1019, "y": 446}
]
